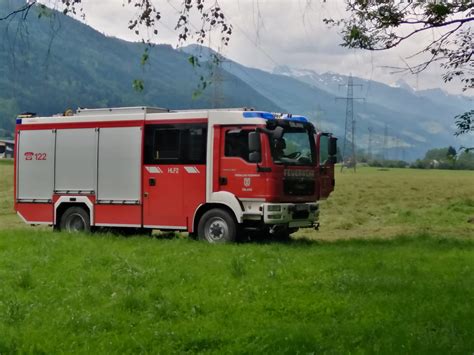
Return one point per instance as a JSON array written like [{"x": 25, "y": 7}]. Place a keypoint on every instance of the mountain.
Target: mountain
[
  {"x": 427, "y": 117},
  {"x": 59, "y": 63},
  {"x": 414, "y": 121}
]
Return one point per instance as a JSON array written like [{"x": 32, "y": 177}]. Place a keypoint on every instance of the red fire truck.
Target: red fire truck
[{"x": 216, "y": 174}]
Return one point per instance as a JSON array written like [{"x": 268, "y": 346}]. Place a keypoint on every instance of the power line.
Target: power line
[{"x": 254, "y": 43}]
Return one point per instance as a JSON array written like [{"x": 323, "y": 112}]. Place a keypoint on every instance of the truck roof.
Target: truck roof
[{"x": 83, "y": 115}]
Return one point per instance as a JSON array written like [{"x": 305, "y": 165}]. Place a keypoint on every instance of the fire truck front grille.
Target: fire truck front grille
[{"x": 298, "y": 187}]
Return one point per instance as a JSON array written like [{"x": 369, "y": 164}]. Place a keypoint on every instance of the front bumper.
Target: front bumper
[{"x": 293, "y": 215}]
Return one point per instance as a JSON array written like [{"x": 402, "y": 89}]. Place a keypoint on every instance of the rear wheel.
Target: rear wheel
[
  {"x": 217, "y": 226},
  {"x": 74, "y": 220}
]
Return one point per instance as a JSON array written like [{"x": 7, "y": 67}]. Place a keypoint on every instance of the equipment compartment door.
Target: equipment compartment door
[
  {"x": 35, "y": 165},
  {"x": 119, "y": 165}
]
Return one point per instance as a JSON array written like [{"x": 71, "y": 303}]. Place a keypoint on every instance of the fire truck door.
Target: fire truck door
[
  {"x": 163, "y": 197},
  {"x": 173, "y": 174},
  {"x": 326, "y": 170},
  {"x": 236, "y": 174}
]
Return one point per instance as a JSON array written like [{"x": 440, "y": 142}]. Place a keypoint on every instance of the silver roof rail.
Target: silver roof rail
[
  {"x": 119, "y": 110},
  {"x": 216, "y": 109}
]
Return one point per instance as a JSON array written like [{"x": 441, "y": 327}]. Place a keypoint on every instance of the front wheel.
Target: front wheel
[
  {"x": 75, "y": 219},
  {"x": 217, "y": 226}
]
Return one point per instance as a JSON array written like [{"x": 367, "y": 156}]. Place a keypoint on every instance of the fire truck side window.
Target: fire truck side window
[
  {"x": 166, "y": 145},
  {"x": 237, "y": 144},
  {"x": 194, "y": 145},
  {"x": 175, "y": 144}
]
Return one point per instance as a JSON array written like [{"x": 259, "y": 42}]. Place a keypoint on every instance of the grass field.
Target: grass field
[{"x": 391, "y": 271}]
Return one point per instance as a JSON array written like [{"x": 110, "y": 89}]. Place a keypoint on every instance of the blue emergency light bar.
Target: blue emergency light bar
[
  {"x": 297, "y": 118},
  {"x": 259, "y": 114},
  {"x": 271, "y": 116}
]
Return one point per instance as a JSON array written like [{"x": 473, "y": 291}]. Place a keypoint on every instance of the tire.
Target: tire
[
  {"x": 217, "y": 226},
  {"x": 75, "y": 220}
]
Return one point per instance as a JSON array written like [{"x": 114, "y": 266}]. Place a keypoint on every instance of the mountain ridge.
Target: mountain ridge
[
  {"x": 84, "y": 68},
  {"x": 88, "y": 69}
]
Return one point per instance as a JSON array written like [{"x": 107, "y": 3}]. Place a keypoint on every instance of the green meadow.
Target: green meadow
[{"x": 390, "y": 271}]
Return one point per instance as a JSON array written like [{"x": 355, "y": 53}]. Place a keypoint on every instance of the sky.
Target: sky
[{"x": 269, "y": 33}]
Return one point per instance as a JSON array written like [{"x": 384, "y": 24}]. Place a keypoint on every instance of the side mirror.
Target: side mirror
[
  {"x": 255, "y": 157},
  {"x": 332, "y": 146},
  {"x": 254, "y": 147},
  {"x": 332, "y": 160},
  {"x": 254, "y": 142}
]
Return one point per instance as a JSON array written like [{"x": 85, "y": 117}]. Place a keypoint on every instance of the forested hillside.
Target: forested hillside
[{"x": 50, "y": 64}]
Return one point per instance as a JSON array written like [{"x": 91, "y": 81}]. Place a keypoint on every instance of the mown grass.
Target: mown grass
[
  {"x": 391, "y": 271},
  {"x": 378, "y": 203}
]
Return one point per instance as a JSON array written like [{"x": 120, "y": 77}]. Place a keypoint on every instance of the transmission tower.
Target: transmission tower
[
  {"x": 217, "y": 79},
  {"x": 399, "y": 148},
  {"x": 385, "y": 142},
  {"x": 369, "y": 147},
  {"x": 349, "y": 159}
]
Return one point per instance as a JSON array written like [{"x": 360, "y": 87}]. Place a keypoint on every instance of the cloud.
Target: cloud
[{"x": 268, "y": 33}]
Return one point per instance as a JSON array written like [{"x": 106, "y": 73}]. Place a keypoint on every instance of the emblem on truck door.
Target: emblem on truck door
[{"x": 247, "y": 184}]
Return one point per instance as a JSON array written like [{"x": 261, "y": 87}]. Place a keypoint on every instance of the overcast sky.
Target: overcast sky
[{"x": 268, "y": 33}]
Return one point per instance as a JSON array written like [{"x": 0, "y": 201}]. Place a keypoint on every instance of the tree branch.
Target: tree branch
[
  {"x": 401, "y": 39},
  {"x": 25, "y": 8}
]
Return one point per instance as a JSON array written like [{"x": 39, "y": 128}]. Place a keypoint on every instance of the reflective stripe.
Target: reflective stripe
[
  {"x": 154, "y": 170},
  {"x": 191, "y": 170}
]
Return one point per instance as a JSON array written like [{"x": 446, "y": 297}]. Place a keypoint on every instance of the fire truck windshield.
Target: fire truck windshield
[{"x": 295, "y": 147}]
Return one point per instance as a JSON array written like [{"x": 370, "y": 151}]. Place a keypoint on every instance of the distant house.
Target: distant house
[
  {"x": 434, "y": 164},
  {"x": 6, "y": 148}
]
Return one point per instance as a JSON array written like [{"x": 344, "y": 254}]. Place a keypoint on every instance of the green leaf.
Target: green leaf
[{"x": 138, "y": 85}]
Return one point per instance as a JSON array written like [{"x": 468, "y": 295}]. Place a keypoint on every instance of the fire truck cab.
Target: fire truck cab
[{"x": 216, "y": 174}]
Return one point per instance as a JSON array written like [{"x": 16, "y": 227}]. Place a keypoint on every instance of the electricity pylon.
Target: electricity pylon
[{"x": 349, "y": 158}]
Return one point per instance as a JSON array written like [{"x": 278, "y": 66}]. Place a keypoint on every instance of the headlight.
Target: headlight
[{"x": 274, "y": 208}]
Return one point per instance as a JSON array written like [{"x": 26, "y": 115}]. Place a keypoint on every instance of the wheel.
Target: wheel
[
  {"x": 75, "y": 219},
  {"x": 217, "y": 226}
]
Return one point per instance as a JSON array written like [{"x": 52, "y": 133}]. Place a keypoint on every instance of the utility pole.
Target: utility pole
[
  {"x": 349, "y": 158},
  {"x": 369, "y": 147}
]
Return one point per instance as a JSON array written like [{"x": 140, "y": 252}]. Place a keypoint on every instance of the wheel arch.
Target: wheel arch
[
  {"x": 207, "y": 207},
  {"x": 64, "y": 202}
]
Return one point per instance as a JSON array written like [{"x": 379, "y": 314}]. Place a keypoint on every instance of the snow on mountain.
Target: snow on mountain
[{"x": 415, "y": 120}]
